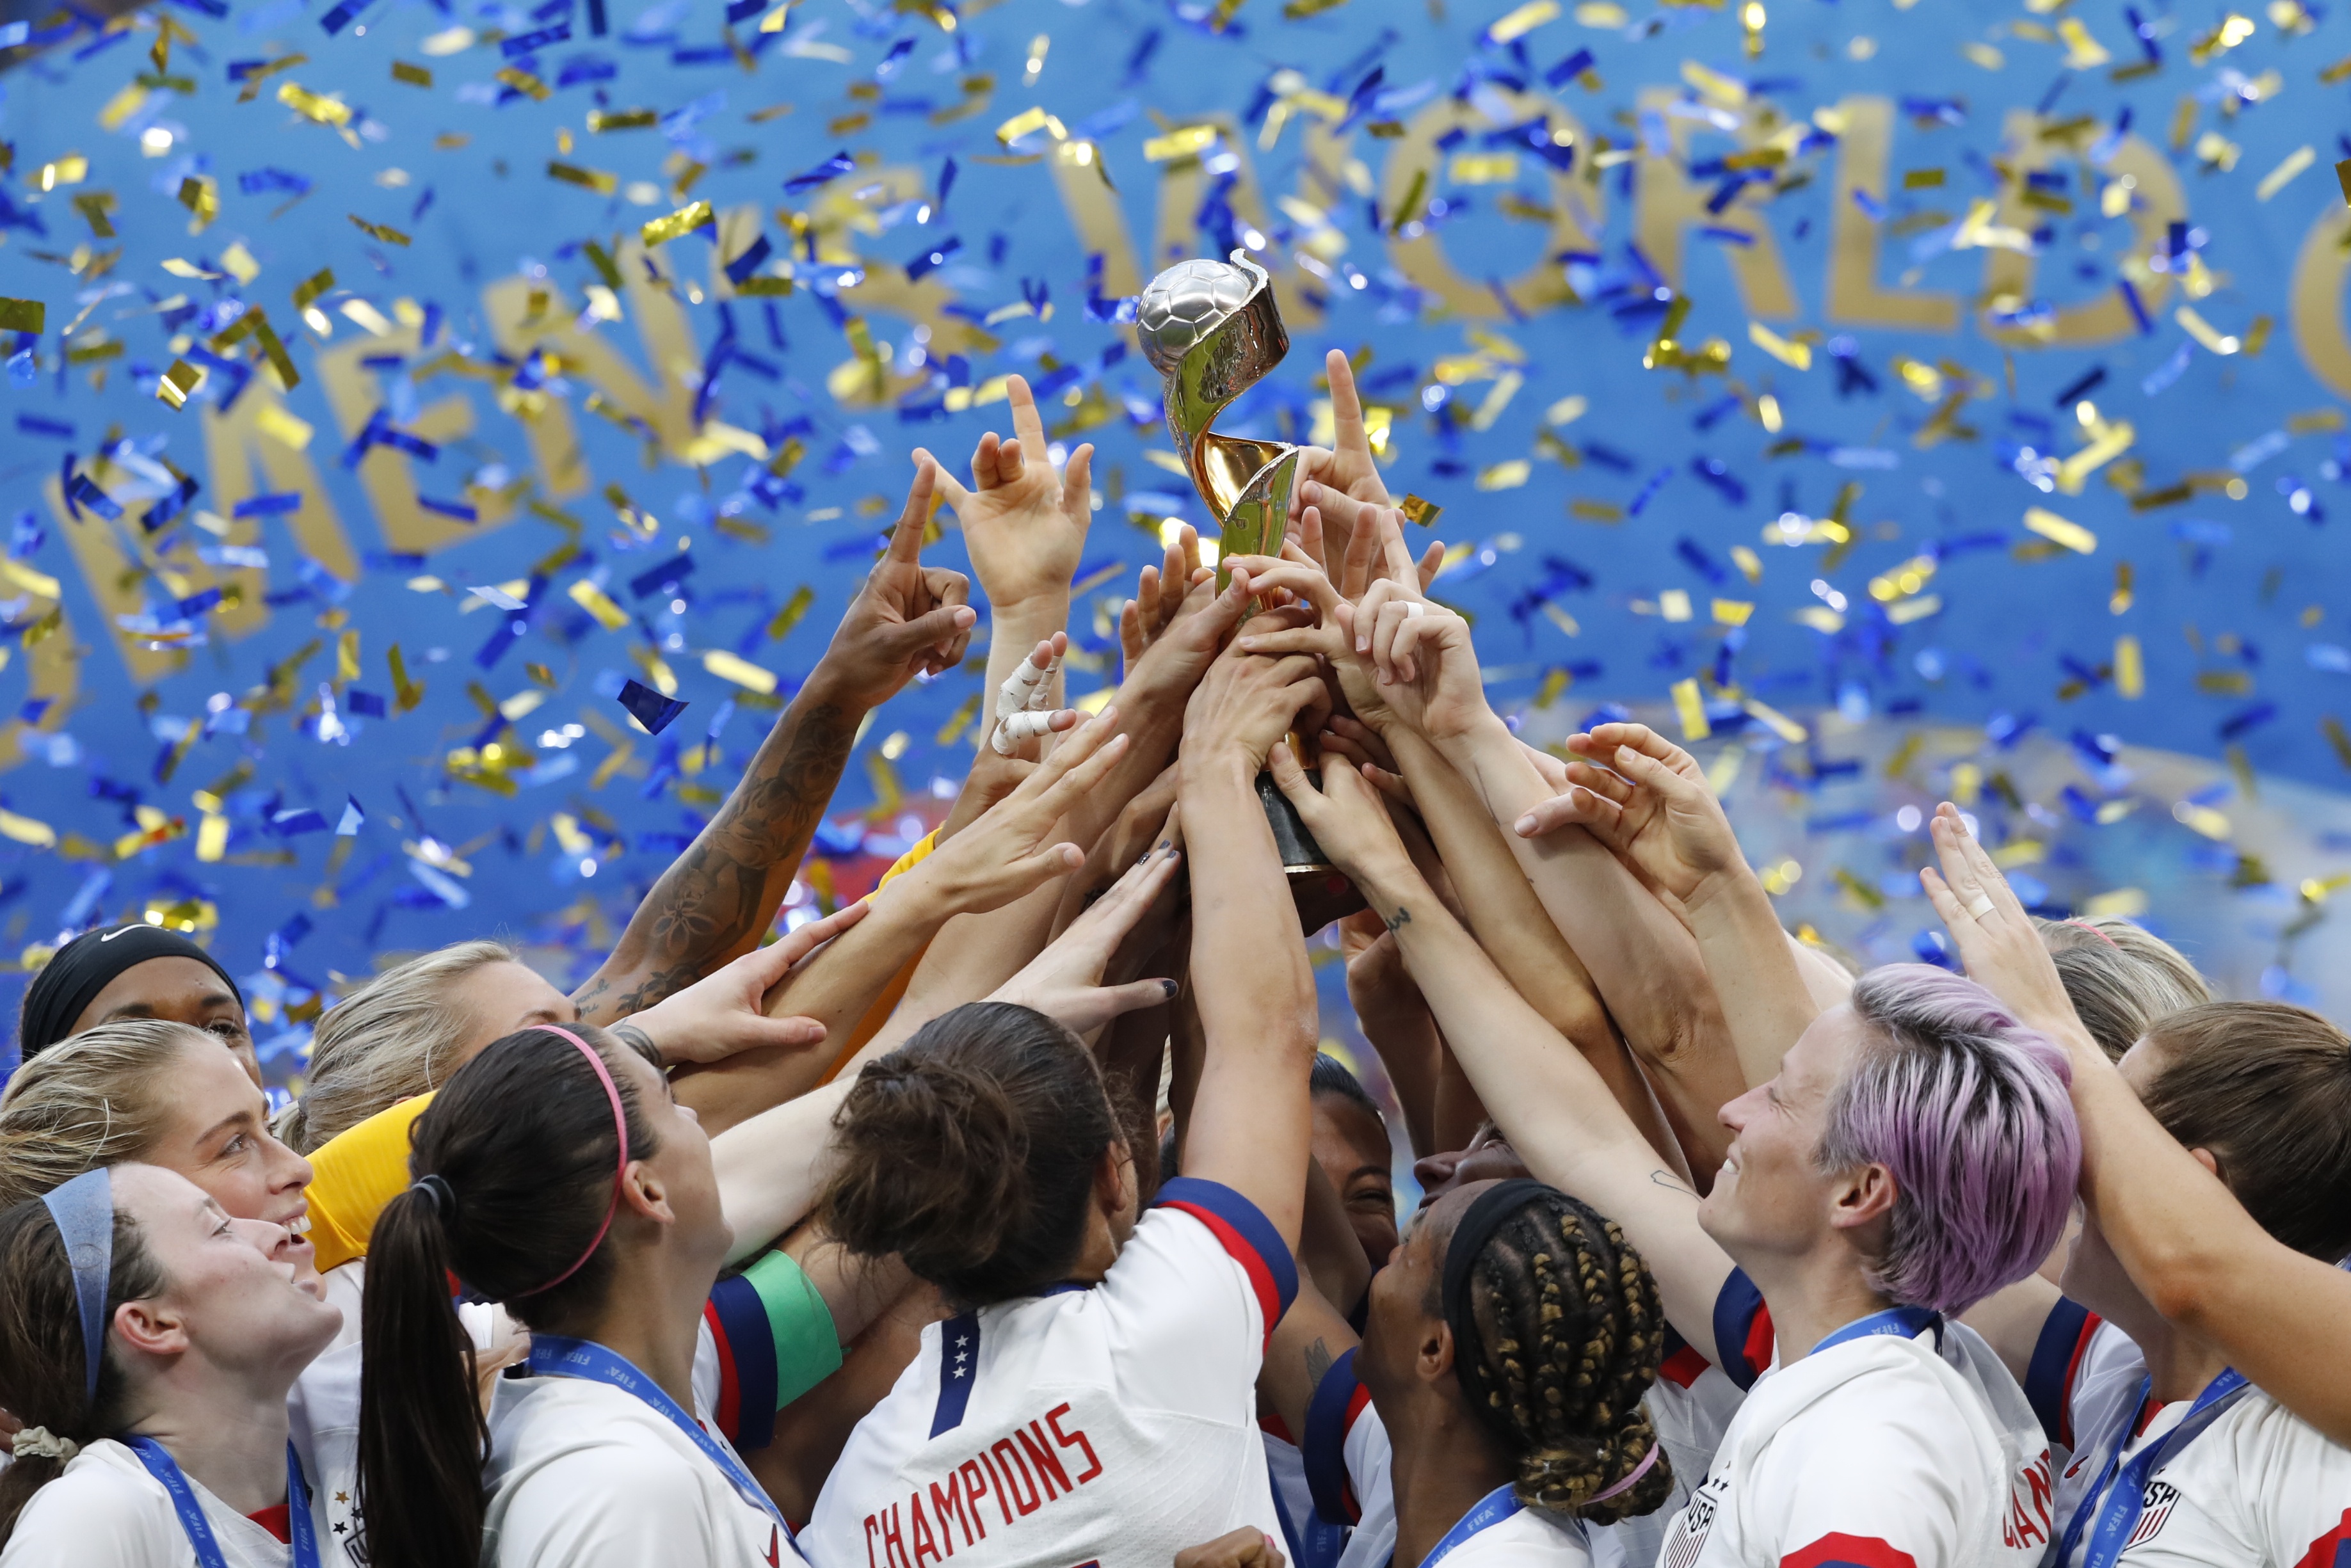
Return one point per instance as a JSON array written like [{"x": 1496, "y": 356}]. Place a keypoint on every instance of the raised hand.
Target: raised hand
[
  {"x": 1024, "y": 527},
  {"x": 1654, "y": 809},
  {"x": 1009, "y": 850},
  {"x": 1347, "y": 465},
  {"x": 713, "y": 1018},
  {"x": 1427, "y": 667},
  {"x": 908, "y": 620},
  {"x": 1345, "y": 816},
  {"x": 1161, "y": 593},
  {"x": 1065, "y": 981},
  {"x": 1246, "y": 702},
  {"x": 1995, "y": 936},
  {"x": 1024, "y": 708},
  {"x": 1353, "y": 536}
]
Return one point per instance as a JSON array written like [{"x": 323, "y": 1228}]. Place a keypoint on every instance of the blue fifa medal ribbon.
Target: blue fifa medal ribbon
[
  {"x": 1900, "y": 1322},
  {"x": 1491, "y": 1510},
  {"x": 2122, "y": 1487},
  {"x": 553, "y": 1355},
  {"x": 199, "y": 1530}
]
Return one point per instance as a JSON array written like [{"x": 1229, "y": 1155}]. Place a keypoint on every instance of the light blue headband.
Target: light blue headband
[{"x": 84, "y": 1211}]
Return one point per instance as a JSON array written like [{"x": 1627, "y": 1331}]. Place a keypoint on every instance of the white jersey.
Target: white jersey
[
  {"x": 1527, "y": 1539},
  {"x": 1690, "y": 1406},
  {"x": 2256, "y": 1487},
  {"x": 585, "y": 1475},
  {"x": 1880, "y": 1450},
  {"x": 1117, "y": 1424},
  {"x": 105, "y": 1511}
]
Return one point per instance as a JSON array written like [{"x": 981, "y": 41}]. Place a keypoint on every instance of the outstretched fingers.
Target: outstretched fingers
[
  {"x": 906, "y": 537},
  {"x": 1028, "y": 426}
]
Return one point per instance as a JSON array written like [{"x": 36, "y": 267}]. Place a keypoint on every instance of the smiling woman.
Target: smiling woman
[
  {"x": 134, "y": 971},
  {"x": 161, "y": 1092}
]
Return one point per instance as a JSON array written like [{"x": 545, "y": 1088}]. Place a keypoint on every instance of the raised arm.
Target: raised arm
[
  {"x": 1252, "y": 1126},
  {"x": 1643, "y": 965},
  {"x": 1650, "y": 805},
  {"x": 1004, "y": 856},
  {"x": 2283, "y": 1318},
  {"x": 714, "y": 901},
  {"x": 1548, "y": 1100}
]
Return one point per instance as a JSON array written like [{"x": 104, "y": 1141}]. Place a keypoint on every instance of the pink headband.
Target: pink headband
[
  {"x": 620, "y": 1173},
  {"x": 2095, "y": 932},
  {"x": 1638, "y": 1471}
]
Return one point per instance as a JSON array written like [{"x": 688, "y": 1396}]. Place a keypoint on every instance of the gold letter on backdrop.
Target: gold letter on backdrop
[
  {"x": 1865, "y": 148},
  {"x": 2316, "y": 300},
  {"x": 2157, "y": 202},
  {"x": 1082, "y": 181},
  {"x": 1666, "y": 205},
  {"x": 1412, "y": 175},
  {"x": 387, "y": 474}
]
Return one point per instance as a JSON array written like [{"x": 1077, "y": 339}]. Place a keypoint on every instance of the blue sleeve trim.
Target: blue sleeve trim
[
  {"x": 1324, "y": 1446},
  {"x": 1236, "y": 1219},
  {"x": 1735, "y": 1311},
  {"x": 751, "y": 1350},
  {"x": 2049, "y": 1377}
]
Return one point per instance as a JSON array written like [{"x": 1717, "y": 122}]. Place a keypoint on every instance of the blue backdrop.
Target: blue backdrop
[{"x": 1896, "y": 362}]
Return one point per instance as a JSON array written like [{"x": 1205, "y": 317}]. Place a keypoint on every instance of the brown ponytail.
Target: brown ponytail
[
  {"x": 970, "y": 1152},
  {"x": 522, "y": 1145},
  {"x": 44, "y": 1374}
]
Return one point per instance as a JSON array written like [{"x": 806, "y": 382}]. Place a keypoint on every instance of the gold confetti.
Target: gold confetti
[
  {"x": 595, "y": 600},
  {"x": 1691, "y": 708},
  {"x": 312, "y": 106},
  {"x": 2060, "y": 530},
  {"x": 1029, "y": 122},
  {"x": 2081, "y": 51},
  {"x": 685, "y": 221},
  {"x": 414, "y": 76},
  {"x": 523, "y": 82},
  {"x": 384, "y": 232},
  {"x": 2293, "y": 163},
  {"x": 179, "y": 384},
  {"x": 22, "y": 314},
  {"x": 602, "y": 119},
  {"x": 2130, "y": 674},
  {"x": 1518, "y": 23},
  {"x": 310, "y": 288},
  {"x": 595, "y": 180},
  {"x": 27, "y": 830},
  {"x": 201, "y": 196},
  {"x": 1181, "y": 142},
  {"x": 732, "y": 667},
  {"x": 1796, "y": 355}
]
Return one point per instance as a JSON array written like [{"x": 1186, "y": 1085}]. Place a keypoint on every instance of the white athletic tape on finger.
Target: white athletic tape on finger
[
  {"x": 1413, "y": 610},
  {"x": 1979, "y": 906},
  {"x": 1024, "y": 705},
  {"x": 1018, "y": 728}
]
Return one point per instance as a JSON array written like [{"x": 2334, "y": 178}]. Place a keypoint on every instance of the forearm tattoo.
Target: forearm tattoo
[{"x": 713, "y": 896}]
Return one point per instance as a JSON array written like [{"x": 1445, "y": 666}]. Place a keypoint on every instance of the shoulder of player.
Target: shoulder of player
[
  {"x": 1897, "y": 1412},
  {"x": 1528, "y": 1539},
  {"x": 104, "y": 1499},
  {"x": 537, "y": 1421},
  {"x": 2265, "y": 1447}
]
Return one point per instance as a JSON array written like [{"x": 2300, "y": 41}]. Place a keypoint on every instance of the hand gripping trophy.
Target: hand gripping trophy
[{"x": 1212, "y": 331}]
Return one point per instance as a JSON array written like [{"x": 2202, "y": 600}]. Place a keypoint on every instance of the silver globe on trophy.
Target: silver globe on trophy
[{"x": 1211, "y": 330}]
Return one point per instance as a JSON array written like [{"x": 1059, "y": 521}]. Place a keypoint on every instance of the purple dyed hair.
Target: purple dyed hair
[{"x": 1970, "y": 1110}]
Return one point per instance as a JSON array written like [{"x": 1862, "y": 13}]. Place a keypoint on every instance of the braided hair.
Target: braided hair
[{"x": 1565, "y": 1334}]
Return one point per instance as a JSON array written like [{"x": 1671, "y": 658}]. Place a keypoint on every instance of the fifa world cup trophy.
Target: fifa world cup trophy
[{"x": 1212, "y": 331}]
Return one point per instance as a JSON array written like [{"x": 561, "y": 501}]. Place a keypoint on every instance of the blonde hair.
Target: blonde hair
[
  {"x": 97, "y": 1099},
  {"x": 2121, "y": 977},
  {"x": 390, "y": 1039}
]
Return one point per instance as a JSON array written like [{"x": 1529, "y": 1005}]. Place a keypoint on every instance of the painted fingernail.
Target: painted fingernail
[{"x": 1170, "y": 985}]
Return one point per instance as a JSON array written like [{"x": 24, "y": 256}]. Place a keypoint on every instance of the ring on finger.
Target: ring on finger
[{"x": 1979, "y": 906}]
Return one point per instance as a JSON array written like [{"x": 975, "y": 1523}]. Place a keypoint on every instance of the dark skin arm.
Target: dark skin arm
[{"x": 714, "y": 901}]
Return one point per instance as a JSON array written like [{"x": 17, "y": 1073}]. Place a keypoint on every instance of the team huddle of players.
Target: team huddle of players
[{"x": 1010, "y": 1215}]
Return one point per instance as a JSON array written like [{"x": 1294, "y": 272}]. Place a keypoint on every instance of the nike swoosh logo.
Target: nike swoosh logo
[{"x": 120, "y": 931}]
